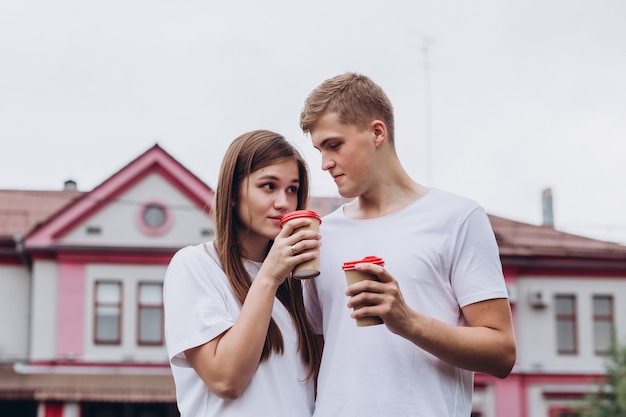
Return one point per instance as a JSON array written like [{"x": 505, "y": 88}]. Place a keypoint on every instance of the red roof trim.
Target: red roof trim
[{"x": 153, "y": 160}]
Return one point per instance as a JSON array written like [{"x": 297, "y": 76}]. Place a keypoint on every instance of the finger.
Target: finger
[
  {"x": 295, "y": 224},
  {"x": 371, "y": 295},
  {"x": 303, "y": 245},
  {"x": 364, "y": 311},
  {"x": 364, "y": 287},
  {"x": 307, "y": 237},
  {"x": 377, "y": 270}
]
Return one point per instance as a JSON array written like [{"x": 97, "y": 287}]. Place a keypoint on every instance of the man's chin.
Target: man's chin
[{"x": 346, "y": 192}]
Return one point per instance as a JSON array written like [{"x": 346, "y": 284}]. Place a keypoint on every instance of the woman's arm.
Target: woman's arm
[{"x": 227, "y": 363}]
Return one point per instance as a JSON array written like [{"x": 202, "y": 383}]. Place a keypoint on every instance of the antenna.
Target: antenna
[{"x": 426, "y": 40}]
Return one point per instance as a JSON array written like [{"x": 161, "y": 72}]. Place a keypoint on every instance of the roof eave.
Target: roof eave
[{"x": 564, "y": 263}]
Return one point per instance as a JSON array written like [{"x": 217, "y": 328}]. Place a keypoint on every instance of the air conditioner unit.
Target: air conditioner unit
[{"x": 537, "y": 298}]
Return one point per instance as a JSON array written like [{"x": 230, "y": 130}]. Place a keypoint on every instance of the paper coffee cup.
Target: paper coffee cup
[
  {"x": 352, "y": 276},
  {"x": 308, "y": 269}
]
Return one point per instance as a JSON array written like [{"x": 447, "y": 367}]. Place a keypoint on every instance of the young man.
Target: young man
[{"x": 441, "y": 292}]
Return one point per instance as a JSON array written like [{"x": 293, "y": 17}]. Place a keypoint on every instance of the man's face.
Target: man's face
[{"x": 346, "y": 153}]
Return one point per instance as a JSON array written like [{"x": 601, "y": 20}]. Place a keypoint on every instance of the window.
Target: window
[
  {"x": 602, "y": 323},
  {"x": 154, "y": 215},
  {"x": 154, "y": 218},
  {"x": 108, "y": 312},
  {"x": 150, "y": 314},
  {"x": 566, "y": 324}
]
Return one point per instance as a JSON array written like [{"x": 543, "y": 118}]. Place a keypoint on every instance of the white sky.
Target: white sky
[{"x": 518, "y": 95}]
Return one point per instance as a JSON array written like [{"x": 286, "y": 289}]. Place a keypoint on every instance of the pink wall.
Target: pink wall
[
  {"x": 71, "y": 310},
  {"x": 509, "y": 397}
]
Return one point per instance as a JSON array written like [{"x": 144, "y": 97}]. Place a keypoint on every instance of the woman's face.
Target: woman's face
[{"x": 265, "y": 196}]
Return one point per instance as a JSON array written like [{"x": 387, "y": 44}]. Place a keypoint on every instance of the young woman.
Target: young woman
[{"x": 236, "y": 330}]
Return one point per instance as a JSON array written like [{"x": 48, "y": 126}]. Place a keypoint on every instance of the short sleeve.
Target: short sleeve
[
  {"x": 477, "y": 270},
  {"x": 196, "y": 303}
]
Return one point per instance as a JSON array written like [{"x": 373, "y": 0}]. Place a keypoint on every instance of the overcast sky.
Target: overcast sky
[{"x": 495, "y": 100}]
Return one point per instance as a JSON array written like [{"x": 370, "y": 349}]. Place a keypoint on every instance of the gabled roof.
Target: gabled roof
[
  {"x": 23, "y": 210},
  {"x": 526, "y": 240},
  {"x": 153, "y": 160}
]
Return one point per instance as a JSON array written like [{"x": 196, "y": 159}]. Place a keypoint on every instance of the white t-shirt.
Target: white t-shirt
[
  {"x": 200, "y": 305},
  {"x": 443, "y": 253}
]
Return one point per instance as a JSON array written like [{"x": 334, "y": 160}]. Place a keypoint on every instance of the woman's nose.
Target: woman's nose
[{"x": 281, "y": 200}]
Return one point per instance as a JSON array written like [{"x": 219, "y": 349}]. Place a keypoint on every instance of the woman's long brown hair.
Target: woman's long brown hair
[{"x": 246, "y": 154}]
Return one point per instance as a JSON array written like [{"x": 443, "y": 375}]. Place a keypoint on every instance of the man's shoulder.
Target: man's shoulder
[
  {"x": 450, "y": 199},
  {"x": 449, "y": 207}
]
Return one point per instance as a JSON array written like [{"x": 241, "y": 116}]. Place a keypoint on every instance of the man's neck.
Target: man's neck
[{"x": 385, "y": 198}]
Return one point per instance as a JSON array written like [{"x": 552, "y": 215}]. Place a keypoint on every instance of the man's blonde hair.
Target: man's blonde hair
[{"x": 355, "y": 98}]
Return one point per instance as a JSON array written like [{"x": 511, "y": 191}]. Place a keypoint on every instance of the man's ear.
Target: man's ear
[{"x": 379, "y": 129}]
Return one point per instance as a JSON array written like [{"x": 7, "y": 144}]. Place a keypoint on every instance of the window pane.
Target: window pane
[
  {"x": 566, "y": 324},
  {"x": 602, "y": 334},
  {"x": 150, "y": 294},
  {"x": 601, "y": 306},
  {"x": 602, "y": 323},
  {"x": 107, "y": 328},
  {"x": 564, "y": 305},
  {"x": 150, "y": 325},
  {"x": 566, "y": 336},
  {"x": 154, "y": 215},
  {"x": 107, "y": 311},
  {"x": 108, "y": 292}
]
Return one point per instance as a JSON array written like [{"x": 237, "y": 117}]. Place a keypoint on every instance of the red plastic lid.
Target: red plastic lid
[
  {"x": 298, "y": 214},
  {"x": 368, "y": 259}
]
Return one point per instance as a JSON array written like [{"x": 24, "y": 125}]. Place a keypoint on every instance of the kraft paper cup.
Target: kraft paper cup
[
  {"x": 352, "y": 276},
  {"x": 308, "y": 269}
]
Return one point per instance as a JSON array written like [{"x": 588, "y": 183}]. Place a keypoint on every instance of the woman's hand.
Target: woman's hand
[{"x": 294, "y": 245}]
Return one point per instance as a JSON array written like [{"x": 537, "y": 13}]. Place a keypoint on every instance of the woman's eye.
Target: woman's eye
[
  {"x": 268, "y": 186},
  {"x": 293, "y": 189}
]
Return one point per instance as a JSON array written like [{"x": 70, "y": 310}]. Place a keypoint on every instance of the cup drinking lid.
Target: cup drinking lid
[
  {"x": 298, "y": 214},
  {"x": 368, "y": 259}
]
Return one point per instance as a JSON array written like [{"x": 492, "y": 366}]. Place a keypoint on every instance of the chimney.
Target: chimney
[
  {"x": 548, "y": 212},
  {"x": 70, "y": 185}
]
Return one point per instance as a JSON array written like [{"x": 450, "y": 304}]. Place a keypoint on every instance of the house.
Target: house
[
  {"x": 568, "y": 299},
  {"x": 82, "y": 315},
  {"x": 81, "y": 278}
]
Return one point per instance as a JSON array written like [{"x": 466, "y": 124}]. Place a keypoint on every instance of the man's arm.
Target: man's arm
[{"x": 486, "y": 344}]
